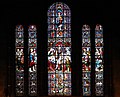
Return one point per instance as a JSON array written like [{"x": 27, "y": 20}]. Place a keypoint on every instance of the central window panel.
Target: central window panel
[{"x": 59, "y": 49}]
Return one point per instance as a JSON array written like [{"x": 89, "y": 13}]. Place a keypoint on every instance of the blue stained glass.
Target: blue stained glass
[
  {"x": 32, "y": 60},
  {"x": 59, "y": 49},
  {"x": 99, "y": 62},
  {"x": 86, "y": 60}
]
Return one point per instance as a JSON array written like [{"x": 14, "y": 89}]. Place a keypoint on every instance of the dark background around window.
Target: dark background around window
[{"x": 83, "y": 12}]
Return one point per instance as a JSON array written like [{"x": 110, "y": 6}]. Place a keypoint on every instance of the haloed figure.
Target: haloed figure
[{"x": 32, "y": 60}]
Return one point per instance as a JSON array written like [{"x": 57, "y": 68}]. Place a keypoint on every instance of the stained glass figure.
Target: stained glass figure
[
  {"x": 99, "y": 62},
  {"x": 32, "y": 60},
  {"x": 59, "y": 49},
  {"x": 19, "y": 60},
  {"x": 86, "y": 60}
]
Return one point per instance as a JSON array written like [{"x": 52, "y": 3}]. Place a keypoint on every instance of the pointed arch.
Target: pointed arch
[
  {"x": 59, "y": 49},
  {"x": 32, "y": 60},
  {"x": 99, "y": 62},
  {"x": 86, "y": 60},
  {"x": 19, "y": 59}
]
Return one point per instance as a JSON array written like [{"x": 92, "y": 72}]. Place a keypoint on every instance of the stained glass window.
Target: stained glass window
[
  {"x": 19, "y": 60},
  {"x": 32, "y": 59},
  {"x": 59, "y": 49},
  {"x": 86, "y": 60},
  {"x": 99, "y": 60}
]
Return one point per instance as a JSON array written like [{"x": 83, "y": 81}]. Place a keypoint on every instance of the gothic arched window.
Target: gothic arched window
[
  {"x": 32, "y": 61},
  {"x": 99, "y": 62},
  {"x": 86, "y": 60},
  {"x": 19, "y": 60},
  {"x": 59, "y": 49}
]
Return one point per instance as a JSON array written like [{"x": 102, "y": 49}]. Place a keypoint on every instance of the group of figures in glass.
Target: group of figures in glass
[
  {"x": 32, "y": 59},
  {"x": 59, "y": 55},
  {"x": 59, "y": 50}
]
